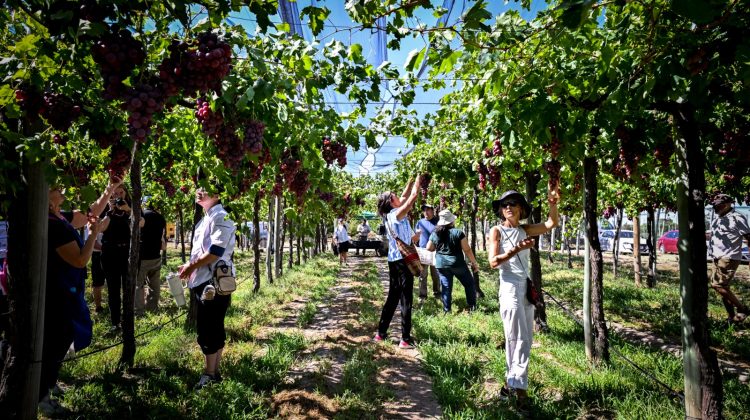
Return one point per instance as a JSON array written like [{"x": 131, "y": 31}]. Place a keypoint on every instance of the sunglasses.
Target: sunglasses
[{"x": 511, "y": 203}]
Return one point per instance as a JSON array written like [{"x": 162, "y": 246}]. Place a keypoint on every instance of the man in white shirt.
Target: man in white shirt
[
  {"x": 727, "y": 233},
  {"x": 213, "y": 241},
  {"x": 362, "y": 231}
]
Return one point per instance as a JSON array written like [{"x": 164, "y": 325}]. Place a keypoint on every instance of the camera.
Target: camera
[{"x": 120, "y": 202}]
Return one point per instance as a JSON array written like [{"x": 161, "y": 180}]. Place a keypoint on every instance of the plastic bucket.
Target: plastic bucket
[{"x": 175, "y": 288}]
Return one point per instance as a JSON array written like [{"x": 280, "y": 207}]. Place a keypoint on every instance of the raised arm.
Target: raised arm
[
  {"x": 553, "y": 219},
  {"x": 407, "y": 189},
  {"x": 408, "y": 203}
]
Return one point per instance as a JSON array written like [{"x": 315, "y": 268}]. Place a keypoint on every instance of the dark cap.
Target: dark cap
[
  {"x": 721, "y": 199},
  {"x": 427, "y": 206},
  {"x": 512, "y": 194}
]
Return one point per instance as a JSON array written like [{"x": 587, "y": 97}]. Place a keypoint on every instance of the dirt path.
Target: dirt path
[{"x": 342, "y": 373}]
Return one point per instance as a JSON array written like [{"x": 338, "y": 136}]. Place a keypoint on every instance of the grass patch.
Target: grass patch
[
  {"x": 371, "y": 292},
  {"x": 464, "y": 355},
  {"x": 362, "y": 395},
  {"x": 168, "y": 362}
]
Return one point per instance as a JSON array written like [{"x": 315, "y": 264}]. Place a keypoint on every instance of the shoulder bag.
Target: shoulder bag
[
  {"x": 408, "y": 252},
  {"x": 224, "y": 281}
]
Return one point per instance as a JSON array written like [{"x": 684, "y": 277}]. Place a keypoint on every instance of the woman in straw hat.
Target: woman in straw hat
[
  {"x": 509, "y": 251},
  {"x": 450, "y": 246}
]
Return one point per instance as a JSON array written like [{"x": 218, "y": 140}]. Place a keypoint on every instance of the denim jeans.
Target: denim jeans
[{"x": 467, "y": 280}]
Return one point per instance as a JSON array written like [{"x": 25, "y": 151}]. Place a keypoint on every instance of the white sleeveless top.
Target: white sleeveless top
[{"x": 513, "y": 270}]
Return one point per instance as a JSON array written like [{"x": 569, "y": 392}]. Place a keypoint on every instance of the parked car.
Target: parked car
[
  {"x": 667, "y": 244},
  {"x": 607, "y": 241}
]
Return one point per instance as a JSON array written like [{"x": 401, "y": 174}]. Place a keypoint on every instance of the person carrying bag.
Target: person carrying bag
[{"x": 403, "y": 260}]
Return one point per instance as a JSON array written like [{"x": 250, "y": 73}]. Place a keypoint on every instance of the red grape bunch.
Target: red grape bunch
[
  {"x": 333, "y": 150},
  {"x": 141, "y": 103},
  {"x": 253, "y": 140},
  {"x": 59, "y": 110},
  {"x": 425, "y": 184},
  {"x": 290, "y": 164},
  {"x": 553, "y": 169},
  {"x": 443, "y": 202},
  {"x": 119, "y": 160},
  {"x": 299, "y": 185},
  {"x": 627, "y": 160},
  {"x": 229, "y": 148},
  {"x": 30, "y": 101},
  {"x": 211, "y": 122},
  {"x": 105, "y": 138},
  {"x": 169, "y": 187},
  {"x": 554, "y": 146},
  {"x": 117, "y": 54},
  {"x": 609, "y": 212},
  {"x": 325, "y": 196},
  {"x": 198, "y": 68}
]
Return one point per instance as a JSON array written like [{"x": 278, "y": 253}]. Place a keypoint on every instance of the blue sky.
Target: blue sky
[{"x": 340, "y": 27}]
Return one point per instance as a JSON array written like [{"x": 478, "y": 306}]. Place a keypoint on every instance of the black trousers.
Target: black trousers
[
  {"x": 58, "y": 336},
  {"x": 210, "y": 319},
  {"x": 115, "y": 266},
  {"x": 400, "y": 289}
]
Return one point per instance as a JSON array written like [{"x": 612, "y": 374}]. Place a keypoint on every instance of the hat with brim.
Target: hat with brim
[
  {"x": 512, "y": 195},
  {"x": 446, "y": 218},
  {"x": 427, "y": 206},
  {"x": 721, "y": 199}
]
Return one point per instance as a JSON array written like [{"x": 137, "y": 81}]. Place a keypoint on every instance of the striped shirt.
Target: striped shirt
[{"x": 402, "y": 229}]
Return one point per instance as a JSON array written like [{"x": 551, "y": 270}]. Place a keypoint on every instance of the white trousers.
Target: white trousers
[{"x": 518, "y": 322}]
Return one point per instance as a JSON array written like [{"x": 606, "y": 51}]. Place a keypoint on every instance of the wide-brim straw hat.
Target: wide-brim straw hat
[
  {"x": 508, "y": 195},
  {"x": 446, "y": 218}
]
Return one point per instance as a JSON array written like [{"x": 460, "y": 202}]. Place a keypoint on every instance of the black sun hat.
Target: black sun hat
[{"x": 515, "y": 195}]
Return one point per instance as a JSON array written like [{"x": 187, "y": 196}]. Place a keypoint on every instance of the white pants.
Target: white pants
[{"x": 518, "y": 322}]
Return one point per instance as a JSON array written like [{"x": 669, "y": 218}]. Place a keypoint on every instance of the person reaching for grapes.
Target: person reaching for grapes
[
  {"x": 508, "y": 250},
  {"x": 66, "y": 315},
  {"x": 394, "y": 211},
  {"x": 116, "y": 251}
]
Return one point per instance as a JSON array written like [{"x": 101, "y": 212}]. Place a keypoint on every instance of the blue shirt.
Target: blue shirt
[
  {"x": 402, "y": 229},
  {"x": 427, "y": 228}
]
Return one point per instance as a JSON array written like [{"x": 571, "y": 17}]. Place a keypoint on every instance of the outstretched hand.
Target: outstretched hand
[
  {"x": 553, "y": 197},
  {"x": 526, "y": 244}
]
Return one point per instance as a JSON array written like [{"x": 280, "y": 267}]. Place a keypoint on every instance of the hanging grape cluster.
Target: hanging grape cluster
[
  {"x": 608, "y": 212},
  {"x": 141, "y": 103},
  {"x": 628, "y": 157},
  {"x": 425, "y": 184},
  {"x": 119, "y": 161},
  {"x": 253, "y": 140},
  {"x": 555, "y": 146},
  {"x": 334, "y": 150},
  {"x": 735, "y": 158},
  {"x": 197, "y": 66},
  {"x": 211, "y": 121},
  {"x": 296, "y": 179},
  {"x": 117, "y": 53},
  {"x": 489, "y": 172},
  {"x": 553, "y": 170},
  {"x": 324, "y": 196},
  {"x": 59, "y": 111}
]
